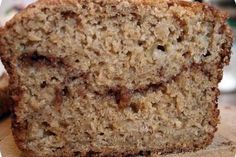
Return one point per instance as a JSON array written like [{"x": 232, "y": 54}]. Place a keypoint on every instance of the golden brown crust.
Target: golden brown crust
[
  {"x": 19, "y": 130},
  {"x": 211, "y": 12}
]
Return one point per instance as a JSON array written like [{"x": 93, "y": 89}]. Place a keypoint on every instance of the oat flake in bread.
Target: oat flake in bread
[{"x": 115, "y": 77}]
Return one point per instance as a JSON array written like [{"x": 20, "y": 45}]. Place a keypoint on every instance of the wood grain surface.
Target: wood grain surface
[{"x": 224, "y": 144}]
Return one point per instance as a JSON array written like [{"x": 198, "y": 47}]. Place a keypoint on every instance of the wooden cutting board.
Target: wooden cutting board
[{"x": 224, "y": 144}]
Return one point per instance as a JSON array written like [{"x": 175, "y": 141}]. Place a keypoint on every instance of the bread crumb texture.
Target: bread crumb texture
[{"x": 114, "y": 77}]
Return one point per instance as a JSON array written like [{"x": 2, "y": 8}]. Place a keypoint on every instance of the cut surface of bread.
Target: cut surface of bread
[{"x": 115, "y": 77}]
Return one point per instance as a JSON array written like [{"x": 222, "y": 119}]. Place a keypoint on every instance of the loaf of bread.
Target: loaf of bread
[{"x": 115, "y": 77}]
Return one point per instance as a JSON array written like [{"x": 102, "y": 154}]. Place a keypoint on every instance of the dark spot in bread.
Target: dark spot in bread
[
  {"x": 29, "y": 59},
  {"x": 65, "y": 91},
  {"x": 68, "y": 14},
  {"x": 122, "y": 96},
  {"x": 182, "y": 23},
  {"x": 58, "y": 98},
  {"x": 145, "y": 153},
  {"x": 162, "y": 48},
  {"x": 49, "y": 133},
  {"x": 140, "y": 43},
  {"x": 101, "y": 134},
  {"x": 181, "y": 37},
  {"x": 135, "y": 107},
  {"x": 54, "y": 78},
  {"x": 43, "y": 84},
  {"x": 92, "y": 154},
  {"x": 186, "y": 54},
  {"x": 207, "y": 54}
]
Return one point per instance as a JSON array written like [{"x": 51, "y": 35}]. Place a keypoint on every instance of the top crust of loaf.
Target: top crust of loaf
[{"x": 211, "y": 13}]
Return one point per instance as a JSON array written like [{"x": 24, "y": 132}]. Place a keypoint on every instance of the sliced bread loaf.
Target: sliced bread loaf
[{"x": 115, "y": 77}]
